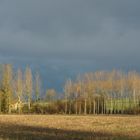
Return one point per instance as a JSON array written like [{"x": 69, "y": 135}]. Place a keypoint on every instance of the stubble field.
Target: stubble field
[{"x": 72, "y": 127}]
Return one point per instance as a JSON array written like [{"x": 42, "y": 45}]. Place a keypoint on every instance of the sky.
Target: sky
[{"x": 62, "y": 38}]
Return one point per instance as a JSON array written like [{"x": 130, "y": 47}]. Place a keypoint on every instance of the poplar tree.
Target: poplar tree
[
  {"x": 6, "y": 88},
  {"x": 37, "y": 86},
  {"x": 67, "y": 92},
  {"x": 50, "y": 95},
  {"x": 18, "y": 86},
  {"x": 28, "y": 86}
]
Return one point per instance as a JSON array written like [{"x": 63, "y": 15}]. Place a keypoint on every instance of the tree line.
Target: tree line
[
  {"x": 100, "y": 92},
  {"x": 14, "y": 87},
  {"x": 103, "y": 92}
]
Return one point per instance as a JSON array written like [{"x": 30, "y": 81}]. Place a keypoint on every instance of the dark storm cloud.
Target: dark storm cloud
[{"x": 78, "y": 34}]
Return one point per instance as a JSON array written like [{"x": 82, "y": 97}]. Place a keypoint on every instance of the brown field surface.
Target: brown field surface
[{"x": 43, "y": 126}]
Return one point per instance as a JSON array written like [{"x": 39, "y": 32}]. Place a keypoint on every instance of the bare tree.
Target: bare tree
[
  {"x": 67, "y": 92},
  {"x": 18, "y": 87},
  {"x": 50, "y": 95},
  {"x": 37, "y": 86},
  {"x": 6, "y": 87},
  {"x": 28, "y": 85}
]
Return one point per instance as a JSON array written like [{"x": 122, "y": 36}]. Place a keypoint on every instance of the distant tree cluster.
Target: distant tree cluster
[
  {"x": 99, "y": 92},
  {"x": 16, "y": 88},
  {"x": 103, "y": 93}
]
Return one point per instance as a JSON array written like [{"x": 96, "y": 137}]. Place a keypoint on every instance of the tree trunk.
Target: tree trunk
[
  {"x": 85, "y": 107},
  {"x": 9, "y": 107},
  {"x": 104, "y": 106},
  {"x": 111, "y": 106},
  {"x": 66, "y": 106},
  {"x": 90, "y": 105},
  {"x": 70, "y": 107},
  {"x": 94, "y": 106},
  {"x": 29, "y": 104},
  {"x": 134, "y": 97},
  {"x": 122, "y": 106},
  {"x": 80, "y": 107},
  {"x": 98, "y": 106},
  {"x": 76, "y": 106}
]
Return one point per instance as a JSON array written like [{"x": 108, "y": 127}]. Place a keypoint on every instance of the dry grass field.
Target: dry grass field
[{"x": 60, "y": 126}]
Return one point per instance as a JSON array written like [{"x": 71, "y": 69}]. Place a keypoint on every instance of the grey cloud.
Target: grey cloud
[{"x": 77, "y": 34}]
